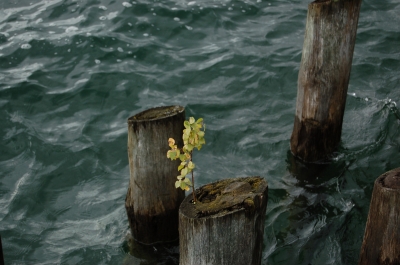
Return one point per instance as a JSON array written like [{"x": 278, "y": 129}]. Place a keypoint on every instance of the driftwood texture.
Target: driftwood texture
[
  {"x": 324, "y": 77},
  {"x": 152, "y": 201},
  {"x": 226, "y": 225},
  {"x": 381, "y": 243}
]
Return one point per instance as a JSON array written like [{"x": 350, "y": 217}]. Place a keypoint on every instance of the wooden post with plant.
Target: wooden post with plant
[
  {"x": 222, "y": 222},
  {"x": 381, "y": 244},
  {"x": 152, "y": 202},
  {"x": 324, "y": 75}
]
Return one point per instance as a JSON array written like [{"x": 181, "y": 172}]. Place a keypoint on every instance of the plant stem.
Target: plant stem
[{"x": 194, "y": 196}]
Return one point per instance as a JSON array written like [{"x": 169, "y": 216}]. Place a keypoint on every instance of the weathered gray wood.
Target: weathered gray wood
[
  {"x": 152, "y": 201},
  {"x": 323, "y": 80},
  {"x": 381, "y": 244},
  {"x": 226, "y": 225},
  {"x": 1, "y": 253}
]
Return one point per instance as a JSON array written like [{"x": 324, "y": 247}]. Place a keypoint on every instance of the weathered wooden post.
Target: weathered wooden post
[
  {"x": 324, "y": 77},
  {"x": 226, "y": 225},
  {"x": 152, "y": 201},
  {"x": 1, "y": 253},
  {"x": 381, "y": 244}
]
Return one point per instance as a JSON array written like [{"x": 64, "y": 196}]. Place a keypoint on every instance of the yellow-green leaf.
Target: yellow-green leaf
[
  {"x": 172, "y": 154},
  {"x": 187, "y": 181},
  {"x": 177, "y": 183},
  {"x": 191, "y": 165},
  {"x": 188, "y": 147},
  {"x": 182, "y": 165},
  {"x": 184, "y": 172},
  {"x": 171, "y": 142},
  {"x": 184, "y": 186},
  {"x": 182, "y": 157}
]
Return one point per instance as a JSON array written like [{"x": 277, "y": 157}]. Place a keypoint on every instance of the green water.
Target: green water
[{"x": 72, "y": 72}]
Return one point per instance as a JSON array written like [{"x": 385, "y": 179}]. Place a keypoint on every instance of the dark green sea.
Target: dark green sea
[{"x": 72, "y": 72}]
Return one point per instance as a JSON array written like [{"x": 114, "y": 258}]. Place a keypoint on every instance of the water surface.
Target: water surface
[{"x": 72, "y": 72}]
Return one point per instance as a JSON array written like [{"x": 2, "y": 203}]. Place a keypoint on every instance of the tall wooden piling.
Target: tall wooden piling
[
  {"x": 323, "y": 79},
  {"x": 381, "y": 244},
  {"x": 226, "y": 225},
  {"x": 152, "y": 201},
  {"x": 1, "y": 253}
]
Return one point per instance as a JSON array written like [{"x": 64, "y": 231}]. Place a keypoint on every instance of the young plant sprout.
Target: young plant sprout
[{"x": 193, "y": 137}]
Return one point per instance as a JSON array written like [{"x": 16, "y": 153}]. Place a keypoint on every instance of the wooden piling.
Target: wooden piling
[
  {"x": 226, "y": 225},
  {"x": 323, "y": 79},
  {"x": 1, "y": 253},
  {"x": 381, "y": 244},
  {"x": 152, "y": 201}
]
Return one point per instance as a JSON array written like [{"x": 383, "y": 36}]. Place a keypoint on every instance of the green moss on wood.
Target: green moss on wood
[{"x": 228, "y": 195}]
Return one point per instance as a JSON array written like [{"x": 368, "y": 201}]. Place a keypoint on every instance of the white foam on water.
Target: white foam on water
[
  {"x": 126, "y": 4},
  {"x": 120, "y": 49},
  {"x": 103, "y": 7},
  {"x": 146, "y": 34},
  {"x": 112, "y": 15},
  {"x": 97, "y": 61},
  {"x": 188, "y": 27},
  {"x": 26, "y": 46},
  {"x": 177, "y": 19},
  {"x": 71, "y": 29},
  {"x": 191, "y": 3}
]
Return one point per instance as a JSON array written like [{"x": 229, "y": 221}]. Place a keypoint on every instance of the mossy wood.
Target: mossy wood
[
  {"x": 323, "y": 79},
  {"x": 152, "y": 201},
  {"x": 226, "y": 225},
  {"x": 381, "y": 244}
]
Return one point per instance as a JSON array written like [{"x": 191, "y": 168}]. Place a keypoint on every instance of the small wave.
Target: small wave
[{"x": 26, "y": 46}]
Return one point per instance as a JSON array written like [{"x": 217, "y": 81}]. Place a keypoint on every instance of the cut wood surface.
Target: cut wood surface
[
  {"x": 381, "y": 244},
  {"x": 152, "y": 201},
  {"x": 323, "y": 79},
  {"x": 226, "y": 225}
]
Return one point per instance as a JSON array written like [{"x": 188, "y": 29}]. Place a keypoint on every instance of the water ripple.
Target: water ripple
[{"x": 72, "y": 72}]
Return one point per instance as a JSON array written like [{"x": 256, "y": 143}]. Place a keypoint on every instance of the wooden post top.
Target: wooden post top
[
  {"x": 156, "y": 113},
  {"x": 228, "y": 195},
  {"x": 390, "y": 179}
]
